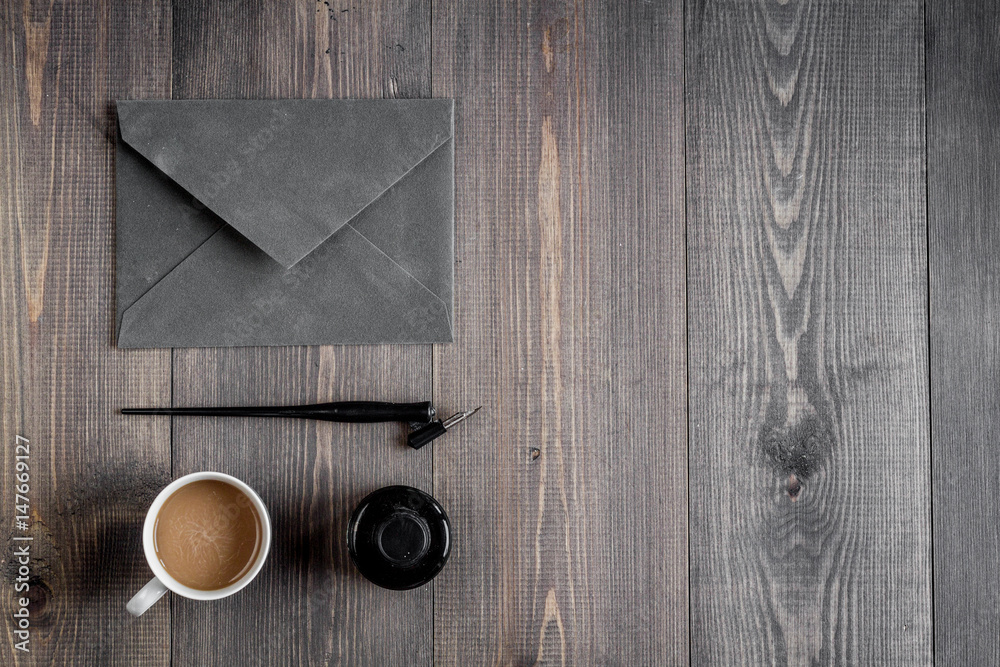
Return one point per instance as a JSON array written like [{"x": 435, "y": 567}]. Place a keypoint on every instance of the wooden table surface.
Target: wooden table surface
[{"x": 726, "y": 288}]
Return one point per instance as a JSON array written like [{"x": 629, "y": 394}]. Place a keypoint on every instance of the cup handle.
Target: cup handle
[{"x": 146, "y": 597}]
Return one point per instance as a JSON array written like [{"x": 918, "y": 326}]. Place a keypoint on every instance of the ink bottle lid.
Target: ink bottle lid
[{"x": 399, "y": 537}]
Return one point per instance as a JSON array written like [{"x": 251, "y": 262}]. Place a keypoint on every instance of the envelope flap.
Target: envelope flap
[{"x": 286, "y": 174}]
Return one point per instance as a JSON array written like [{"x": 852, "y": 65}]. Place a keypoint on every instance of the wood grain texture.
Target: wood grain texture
[
  {"x": 309, "y": 605},
  {"x": 810, "y": 498},
  {"x": 93, "y": 473},
  {"x": 963, "y": 145},
  {"x": 568, "y": 491},
  {"x": 806, "y": 260}
]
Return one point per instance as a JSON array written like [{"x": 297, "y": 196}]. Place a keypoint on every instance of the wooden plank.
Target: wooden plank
[
  {"x": 963, "y": 145},
  {"x": 92, "y": 473},
  {"x": 810, "y": 516},
  {"x": 568, "y": 491},
  {"x": 309, "y": 604}
]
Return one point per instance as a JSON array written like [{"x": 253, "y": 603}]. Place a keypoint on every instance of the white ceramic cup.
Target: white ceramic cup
[{"x": 162, "y": 582}]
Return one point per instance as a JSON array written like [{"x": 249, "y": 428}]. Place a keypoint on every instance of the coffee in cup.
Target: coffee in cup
[{"x": 206, "y": 536}]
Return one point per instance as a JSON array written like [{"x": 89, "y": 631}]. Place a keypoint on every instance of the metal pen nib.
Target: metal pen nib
[
  {"x": 459, "y": 417},
  {"x": 428, "y": 432}
]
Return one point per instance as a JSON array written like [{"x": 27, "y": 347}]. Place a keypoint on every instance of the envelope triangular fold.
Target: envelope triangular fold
[
  {"x": 286, "y": 174},
  {"x": 412, "y": 223}
]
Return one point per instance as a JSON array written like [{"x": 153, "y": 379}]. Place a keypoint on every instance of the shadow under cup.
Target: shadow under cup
[{"x": 205, "y": 537}]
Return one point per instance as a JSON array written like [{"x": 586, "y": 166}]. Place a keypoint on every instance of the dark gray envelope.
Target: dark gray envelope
[{"x": 284, "y": 222}]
